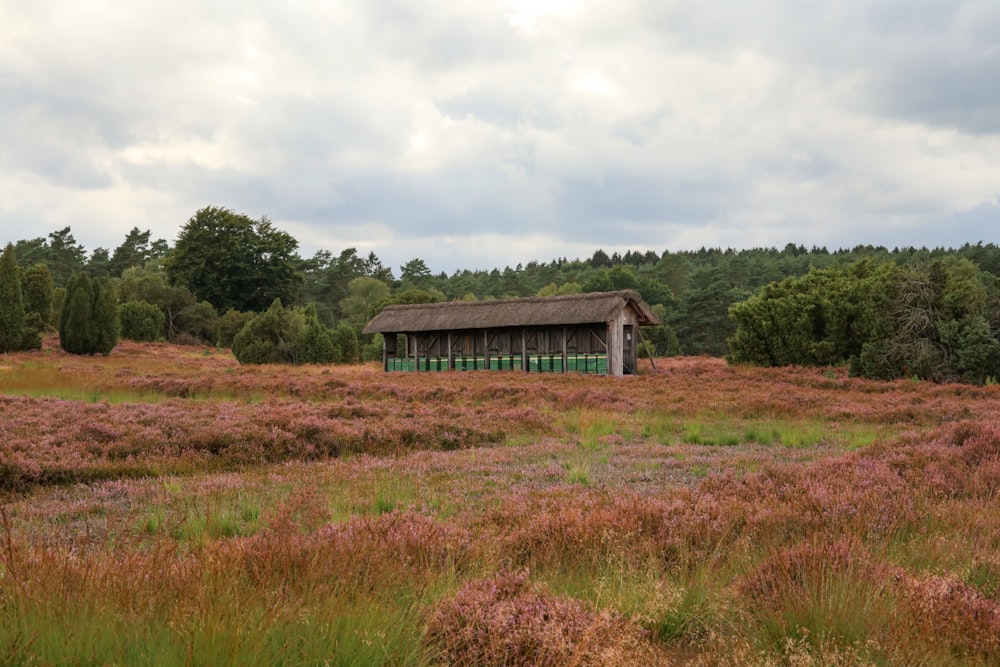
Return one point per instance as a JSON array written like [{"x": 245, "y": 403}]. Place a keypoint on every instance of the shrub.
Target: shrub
[
  {"x": 38, "y": 292},
  {"x": 76, "y": 322},
  {"x": 141, "y": 321},
  {"x": 947, "y": 610},
  {"x": 229, "y": 325},
  {"x": 346, "y": 341},
  {"x": 89, "y": 319},
  {"x": 505, "y": 620},
  {"x": 315, "y": 344},
  {"x": 199, "y": 321},
  {"x": 372, "y": 351},
  {"x": 268, "y": 338},
  {"x": 31, "y": 333},
  {"x": 107, "y": 326}
]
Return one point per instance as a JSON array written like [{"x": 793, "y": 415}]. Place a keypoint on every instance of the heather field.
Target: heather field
[{"x": 165, "y": 505}]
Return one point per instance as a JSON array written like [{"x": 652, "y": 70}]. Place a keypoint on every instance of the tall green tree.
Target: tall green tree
[
  {"x": 701, "y": 319},
  {"x": 363, "y": 294},
  {"x": 234, "y": 262},
  {"x": 11, "y": 302},
  {"x": 935, "y": 325},
  {"x": 332, "y": 277},
  {"x": 64, "y": 256},
  {"x": 135, "y": 250},
  {"x": 415, "y": 274}
]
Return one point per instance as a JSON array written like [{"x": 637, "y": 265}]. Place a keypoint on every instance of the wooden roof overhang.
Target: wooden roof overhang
[{"x": 570, "y": 309}]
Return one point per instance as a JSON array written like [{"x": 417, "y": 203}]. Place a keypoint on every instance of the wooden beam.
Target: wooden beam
[
  {"x": 599, "y": 339},
  {"x": 648, "y": 352}
]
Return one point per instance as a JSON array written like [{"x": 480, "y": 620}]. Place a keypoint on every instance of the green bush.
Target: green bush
[
  {"x": 315, "y": 344},
  {"x": 141, "y": 321},
  {"x": 76, "y": 322},
  {"x": 346, "y": 340},
  {"x": 372, "y": 351},
  {"x": 229, "y": 325},
  {"x": 38, "y": 292},
  {"x": 107, "y": 326},
  {"x": 200, "y": 321},
  {"x": 269, "y": 337},
  {"x": 31, "y": 333},
  {"x": 89, "y": 322}
]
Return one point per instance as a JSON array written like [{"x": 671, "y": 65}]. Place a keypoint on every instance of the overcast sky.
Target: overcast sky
[{"x": 479, "y": 134}]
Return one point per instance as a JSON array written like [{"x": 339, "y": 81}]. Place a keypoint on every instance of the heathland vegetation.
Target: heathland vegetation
[{"x": 164, "y": 504}]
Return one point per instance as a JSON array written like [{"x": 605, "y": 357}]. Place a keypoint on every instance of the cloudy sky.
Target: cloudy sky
[{"x": 487, "y": 133}]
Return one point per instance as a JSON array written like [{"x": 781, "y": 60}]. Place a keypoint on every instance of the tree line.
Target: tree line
[{"x": 226, "y": 269}]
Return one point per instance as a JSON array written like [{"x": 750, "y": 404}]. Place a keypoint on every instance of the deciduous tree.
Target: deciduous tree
[
  {"x": 363, "y": 294},
  {"x": 235, "y": 262}
]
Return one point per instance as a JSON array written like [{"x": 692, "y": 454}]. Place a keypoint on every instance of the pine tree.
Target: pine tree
[{"x": 11, "y": 302}]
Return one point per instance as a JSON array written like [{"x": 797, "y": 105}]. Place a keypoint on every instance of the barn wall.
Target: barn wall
[{"x": 598, "y": 347}]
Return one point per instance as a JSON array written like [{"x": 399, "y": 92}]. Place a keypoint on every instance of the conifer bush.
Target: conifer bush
[
  {"x": 315, "y": 344},
  {"x": 38, "y": 292},
  {"x": 269, "y": 337},
  {"x": 290, "y": 336},
  {"x": 11, "y": 302},
  {"x": 107, "y": 326},
  {"x": 346, "y": 340},
  {"x": 141, "y": 321},
  {"x": 89, "y": 321},
  {"x": 229, "y": 325}
]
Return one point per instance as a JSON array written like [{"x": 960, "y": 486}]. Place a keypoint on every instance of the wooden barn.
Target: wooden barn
[{"x": 583, "y": 333}]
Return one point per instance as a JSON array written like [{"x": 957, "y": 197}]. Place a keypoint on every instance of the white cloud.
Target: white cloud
[{"x": 514, "y": 130}]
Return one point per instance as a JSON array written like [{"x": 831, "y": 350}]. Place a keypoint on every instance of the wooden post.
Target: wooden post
[
  {"x": 524, "y": 351},
  {"x": 486, "y": 349},
  {"x": 449, "y": 350},
  {"x": 648, "y": 351},
  {"x": 565, "y": 358}
]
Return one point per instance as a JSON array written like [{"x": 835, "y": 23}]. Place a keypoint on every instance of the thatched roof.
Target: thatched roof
[{"x": 532, "y": 311}]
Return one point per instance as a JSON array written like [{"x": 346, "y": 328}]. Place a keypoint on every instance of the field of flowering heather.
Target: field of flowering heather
[{"x": 165, "y": 505}]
